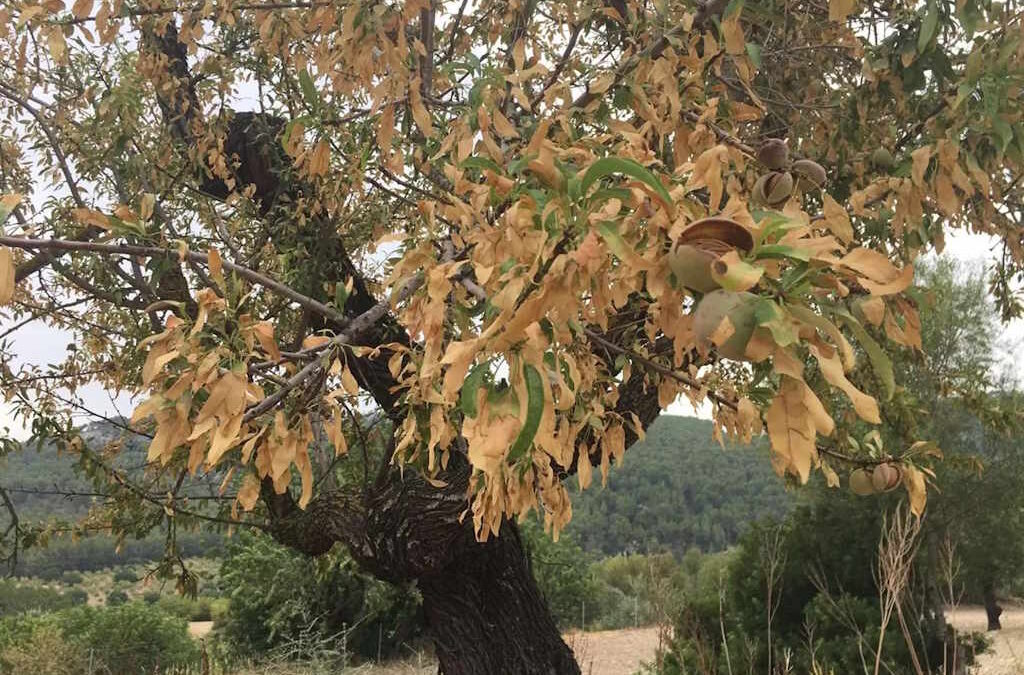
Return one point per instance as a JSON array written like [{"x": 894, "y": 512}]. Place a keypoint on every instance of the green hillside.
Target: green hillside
[{"x": 678, "y": 489}]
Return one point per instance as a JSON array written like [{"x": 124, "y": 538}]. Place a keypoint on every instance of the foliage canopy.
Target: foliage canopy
[{"x": 517, "y": 229}]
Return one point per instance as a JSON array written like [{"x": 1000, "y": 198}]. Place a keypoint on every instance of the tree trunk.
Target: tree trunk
[
  {"x": 482, "y": 607},
  {"x": 486, "y": 614},
  {"x": 992, "y": 608}
]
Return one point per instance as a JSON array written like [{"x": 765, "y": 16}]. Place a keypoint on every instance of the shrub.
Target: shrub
[
  {"x": 563, "y": 574},
  {"x": 71, "y": 578},
  {"x": 131, "y": 638},
  {"x": 126, "y": 639},
  {"x": 278, "y": 597},
  {"x": 16, "y": 598},
  {"x": 824, "y": 555},
  {"x": 46, "y": 652},
  {"x": 190, "y": 609},
  {"x": 115, "y": 598},
  {"x": 126, "y": 574}
]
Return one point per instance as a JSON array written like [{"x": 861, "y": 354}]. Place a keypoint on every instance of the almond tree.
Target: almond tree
[{"x": 500, "y": 235}]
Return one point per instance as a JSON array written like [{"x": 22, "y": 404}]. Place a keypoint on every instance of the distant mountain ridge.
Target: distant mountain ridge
[{"x": 678, "y": 489}]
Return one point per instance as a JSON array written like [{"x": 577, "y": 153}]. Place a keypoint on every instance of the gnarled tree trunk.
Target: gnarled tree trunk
[
  {"x": 486, "y": 614},
  {"x": 483, "y": 608}
]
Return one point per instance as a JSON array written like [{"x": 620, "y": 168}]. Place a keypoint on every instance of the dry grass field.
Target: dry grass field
[
  {"x": 612, "y": 652},
  {"x": 1005, "y": 656},
  {"x": 623, "y": 652}
]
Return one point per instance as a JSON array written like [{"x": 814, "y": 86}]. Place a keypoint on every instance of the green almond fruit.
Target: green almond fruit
[
  {"x": 692, "y": 268},
  {"x": 861, "y": 483},
  {"x": 882, "y": 158},
  {"x": 714, "y": 308}
]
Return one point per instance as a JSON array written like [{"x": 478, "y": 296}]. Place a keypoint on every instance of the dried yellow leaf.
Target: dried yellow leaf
[
  {"x": 6, "y": 275},
  {"x": 249, "y": 493},
  {"x": 866, "y": 406}
]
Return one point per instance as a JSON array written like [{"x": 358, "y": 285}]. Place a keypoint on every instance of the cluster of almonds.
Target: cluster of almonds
[
  {"x": 882, "y": 478},
  {"x": 776, "y": 186},
  {"x": 693, "y": 261}
]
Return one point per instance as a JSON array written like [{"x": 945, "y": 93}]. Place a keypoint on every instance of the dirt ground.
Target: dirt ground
[
  {"x": 1005, "y": 656},
  {"x": 199, "y": 629},
  {"x": 623, "y": 652},
  {"x": 614, "y": 652}
]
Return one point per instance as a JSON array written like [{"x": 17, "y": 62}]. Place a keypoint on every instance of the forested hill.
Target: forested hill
[{"x": 678, "y": 489}]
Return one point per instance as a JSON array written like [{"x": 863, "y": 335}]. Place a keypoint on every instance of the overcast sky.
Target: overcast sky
[{"x": 40, "y": 345}]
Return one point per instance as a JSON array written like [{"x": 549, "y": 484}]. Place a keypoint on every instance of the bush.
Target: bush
[
  {"x": 190, "y": 609},
  {"x": 71, "y": 578},
  {"x": 833, "y": 537},
  {"x": 115, "y": 598},
  {"x": 126, "y": 639},
  {"x": 16, "y": 598},
  {"x": 126, "y": 574},
  {"x": 563, "y": 574},
  {"x": 277, "y": 597},
  {"x": 46, "y": 652}
]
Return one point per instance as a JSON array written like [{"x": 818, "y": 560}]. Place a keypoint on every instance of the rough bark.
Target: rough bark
[
  {"x": 486, "y": 614},
  {"x": 992, "y": 609},
  {"x": 483, "y": 609}
]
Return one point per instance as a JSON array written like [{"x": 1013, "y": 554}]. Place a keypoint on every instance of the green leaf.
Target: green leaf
[
  {"x": 467, "y": 395},
  {"x": 768, "y": 314},
  {"x": 754, "y": 52},
  {"x": 610, "y": 233},
  {"x": 1004, "y": 130},
  {"x": 880, "y": 361},
  {"x": 481, "y": 163},
  {"x": 602, "y": 195},
  {"x": 309, "y": 91},
  {"x": 340, "y": 296},
  {"x": 928, "y": 26},
  {"x": 609, "y": 165},
  {"x": 534, "y": 411},
  {"x": 734, "y": 7},
  {"x": 782, "y": 251}
]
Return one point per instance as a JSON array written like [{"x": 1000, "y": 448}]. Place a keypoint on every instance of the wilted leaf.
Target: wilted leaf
[
  {"x": 734, "y": 274},
  {"x": 866, "y": 406},
  {"x": 790, "y": 430},
  {"x": 8, "y": 203},
  {"x": 249, "y": 493},
  {"x": 838, "y": 10},
  {"x": 837, "y": 220},
  {"x": 6, "y": 275}
]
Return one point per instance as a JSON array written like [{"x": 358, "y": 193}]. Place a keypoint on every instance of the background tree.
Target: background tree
[{"x": 486, "y": 244}]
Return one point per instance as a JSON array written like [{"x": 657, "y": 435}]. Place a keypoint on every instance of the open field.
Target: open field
[
  {"x": 611, "y": 652},
  {"x": 1005, "y": 656},
  {"x": 614, "y": 652},
  {"x": 623, "y": 652}
]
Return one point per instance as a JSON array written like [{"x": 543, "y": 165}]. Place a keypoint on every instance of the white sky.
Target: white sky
[{"x": 40, "y": 345}]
